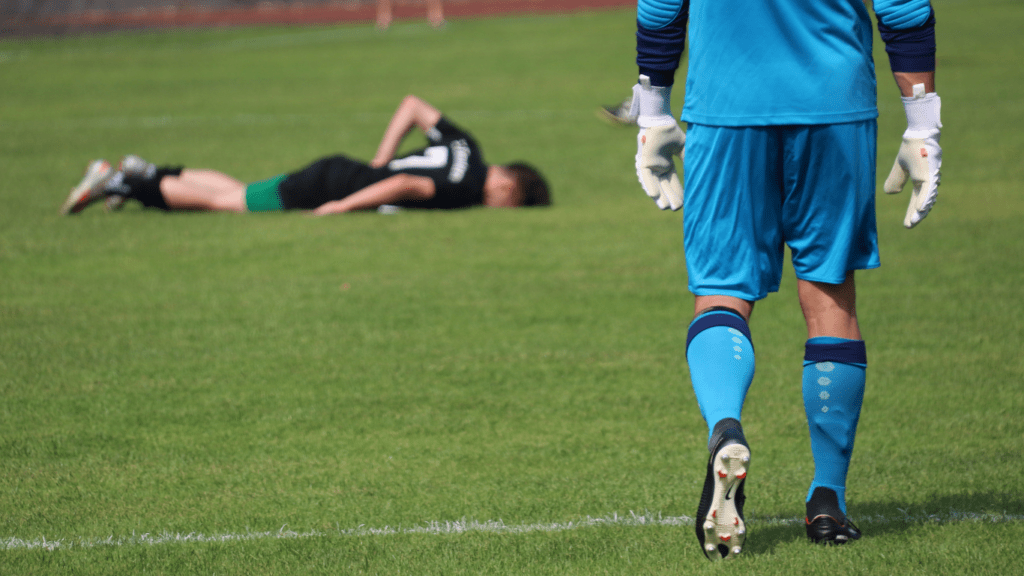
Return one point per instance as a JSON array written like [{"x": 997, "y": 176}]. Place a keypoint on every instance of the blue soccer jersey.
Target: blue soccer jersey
[
  {"x": 771, "y": 63},
  {"x": 758, "y": 63}
]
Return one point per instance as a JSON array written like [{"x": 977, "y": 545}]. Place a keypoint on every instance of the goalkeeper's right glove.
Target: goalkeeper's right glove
[
  {"x": 920, "y": 156},
  {"x": 659, "y": 142}
]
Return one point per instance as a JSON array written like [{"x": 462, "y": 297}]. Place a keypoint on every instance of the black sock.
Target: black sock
[{"x": 147, "y": 190}]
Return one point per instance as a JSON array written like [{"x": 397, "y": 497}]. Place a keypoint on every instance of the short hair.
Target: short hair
[{"x": 532, "y": 186}]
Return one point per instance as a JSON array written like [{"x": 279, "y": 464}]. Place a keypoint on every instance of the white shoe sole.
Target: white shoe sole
[{"x": 723, "y": 527}]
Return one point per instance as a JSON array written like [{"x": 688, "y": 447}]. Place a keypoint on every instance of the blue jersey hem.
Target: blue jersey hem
[{"x": 779, "y": 119}]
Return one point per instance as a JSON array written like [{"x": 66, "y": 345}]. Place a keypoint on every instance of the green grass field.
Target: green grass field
[{"x": 475, "y": 392}]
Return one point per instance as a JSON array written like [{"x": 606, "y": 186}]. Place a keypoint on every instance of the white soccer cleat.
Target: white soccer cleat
[
  {"x": 90, "y": 189},
  {"x": 133, "y": 165}
]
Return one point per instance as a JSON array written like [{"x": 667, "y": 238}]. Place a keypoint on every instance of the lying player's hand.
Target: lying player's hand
[
  {"x": 657, "y": 148},
  {"x": 332, "y": 207}
]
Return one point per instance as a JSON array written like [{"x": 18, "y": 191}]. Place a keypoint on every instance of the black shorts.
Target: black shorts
[{"x": 327, "y": 179}]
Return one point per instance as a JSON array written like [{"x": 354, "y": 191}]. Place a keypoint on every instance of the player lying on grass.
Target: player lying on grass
[{"x": 449, "y": 173}]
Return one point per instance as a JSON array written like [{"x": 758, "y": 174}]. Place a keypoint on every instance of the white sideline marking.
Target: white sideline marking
[{"x": 466, "y": 526}]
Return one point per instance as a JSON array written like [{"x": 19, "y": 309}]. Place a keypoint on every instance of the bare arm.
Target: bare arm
[
  {"x": 388, "y": 191},
  {"x": 411, "y": 112},
  {"x": 906, "y": 81}
]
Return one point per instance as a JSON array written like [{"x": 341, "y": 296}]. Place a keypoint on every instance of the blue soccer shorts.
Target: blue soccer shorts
[{"x": 751, "y": 191}]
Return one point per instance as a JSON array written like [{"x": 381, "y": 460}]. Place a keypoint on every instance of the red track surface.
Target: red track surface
[{"x": 287, "y": 14}]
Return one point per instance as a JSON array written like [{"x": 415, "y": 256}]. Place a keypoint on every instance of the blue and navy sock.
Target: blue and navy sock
[
  {"x": 721, "y": 359},
  {"x": 833, "y": 386}
]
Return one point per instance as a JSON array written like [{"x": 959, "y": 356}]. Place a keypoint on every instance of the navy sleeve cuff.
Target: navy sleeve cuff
[
  {"x": 910, "y": 50},
  {"x": 658, "y": 51}
]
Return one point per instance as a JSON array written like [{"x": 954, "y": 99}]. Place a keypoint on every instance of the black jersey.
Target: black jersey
[{"x": 453, "y": 160}]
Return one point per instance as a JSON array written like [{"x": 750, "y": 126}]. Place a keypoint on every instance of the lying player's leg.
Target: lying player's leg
[
  {"x": 203, "y": 190},
  {"x": 167, "y": 187}
]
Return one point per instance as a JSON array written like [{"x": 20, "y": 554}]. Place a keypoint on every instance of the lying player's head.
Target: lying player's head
[{"x": 530, "y": 184}]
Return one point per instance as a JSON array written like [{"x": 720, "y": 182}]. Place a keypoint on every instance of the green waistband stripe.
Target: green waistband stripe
[{"x": 262, "y": 196}]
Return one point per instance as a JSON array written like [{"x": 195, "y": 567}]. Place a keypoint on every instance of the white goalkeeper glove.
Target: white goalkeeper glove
[
  {"x": 658, "y": 144},
  {"x": 920, "y": 156}
]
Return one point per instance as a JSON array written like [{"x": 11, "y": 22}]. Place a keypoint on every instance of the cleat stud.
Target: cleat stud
[
  {"x": 745, "y": 459},
  {"x": 726, "y": 457},
  {"x": 710, "y": 547},
  {"x": 737, "y": 550},
  {"x": 709, "y": 525},
  {"x": 741, "y": 532}
]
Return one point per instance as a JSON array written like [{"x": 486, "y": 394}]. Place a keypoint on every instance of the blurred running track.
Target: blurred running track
[{"x": 42, "y": 17}]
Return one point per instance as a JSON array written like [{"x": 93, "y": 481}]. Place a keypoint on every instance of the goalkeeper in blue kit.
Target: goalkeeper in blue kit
[{"x": 780, "y": 151}]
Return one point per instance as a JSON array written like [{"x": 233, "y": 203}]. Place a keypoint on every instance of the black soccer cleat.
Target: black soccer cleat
[
  {"x": 826, "y": 523},
  {"x": 720, "y": 528}
]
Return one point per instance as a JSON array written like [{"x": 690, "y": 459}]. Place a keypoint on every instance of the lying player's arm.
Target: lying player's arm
[
  {"x": 391, "y": 190},
  {"x": 411, "y": 112}
]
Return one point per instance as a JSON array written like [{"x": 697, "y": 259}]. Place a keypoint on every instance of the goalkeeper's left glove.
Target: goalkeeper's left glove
[
  {"x": 920, "y": 156},
  {"x": 659, "y": 142}
]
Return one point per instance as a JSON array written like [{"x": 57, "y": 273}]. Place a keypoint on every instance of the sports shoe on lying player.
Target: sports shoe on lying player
[{"x": 90, "y": 189}]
